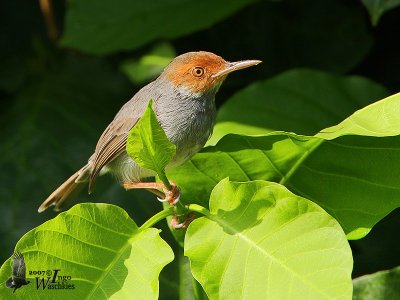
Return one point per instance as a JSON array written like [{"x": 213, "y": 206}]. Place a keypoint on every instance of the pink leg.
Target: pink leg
[
  {"x": 171, "y": 196},
  {"x": 143, "y": 185}
]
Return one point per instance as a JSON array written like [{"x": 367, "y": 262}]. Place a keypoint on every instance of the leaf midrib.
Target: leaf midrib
[
  {"x": 263, "y": 251},
  {"x": 111, "y": 264}
]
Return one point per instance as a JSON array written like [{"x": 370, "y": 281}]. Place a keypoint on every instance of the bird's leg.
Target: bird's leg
[
  {"x": 143, "y": 185},
  {"x": 158, "y": 193},
  {"x": 171, "y": 196}
]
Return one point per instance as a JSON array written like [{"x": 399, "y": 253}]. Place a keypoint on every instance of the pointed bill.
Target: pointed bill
[{"x": 238, "y": 65}]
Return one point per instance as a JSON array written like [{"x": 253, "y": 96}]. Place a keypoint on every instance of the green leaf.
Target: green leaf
[
  {"x": 100, "y": 247},
  {"x": 263, "y": 242},
  {"x": 380, "y": 119},
  {"x": 149, "y": 65},
  {"x": 148, "y": 144},
  {"x": 101, "y": 26},
  {"x": 300, "y": 100},
  {"x": 377, "y": 8},
  {"x": 382, "y": 285},
  {"x": 352, "y": 173}
]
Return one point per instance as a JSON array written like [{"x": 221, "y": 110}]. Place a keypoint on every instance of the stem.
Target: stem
[
  {"x": 47, "y": 10},
  {"x": 165, "y": 180},
  {"x": 180, "y": 209},
  {"x": 156, "y": 218},
  {"x": 200, "y": 209}
]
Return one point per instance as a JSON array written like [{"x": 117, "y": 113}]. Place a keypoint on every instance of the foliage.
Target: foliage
[
  {"x": 103, "y": 251},
  {"x": 148, "y": 145},
  {"x": 377, "y": 8},
  {"x": 310, "y": 152},
  {"x": 149, "y": 65},
  {"x": 378, "y": 286},
  {"x": 346, "y": 169},
  {"x": 257, "y": 227},
  {"x": 115, "y": 19},
  {"x": 319, "y": 99}
]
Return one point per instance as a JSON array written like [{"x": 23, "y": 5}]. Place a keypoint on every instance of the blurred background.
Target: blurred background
[{"x": 66, "y": 67}]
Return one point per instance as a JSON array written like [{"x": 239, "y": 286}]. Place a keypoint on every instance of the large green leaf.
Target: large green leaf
[
  {"x": 101, "y": 26},
  {"x": 352, "y": 174},
  {"x": 383, "y": 285},
  {"x": 100, "y": 247},
  {"x": 148, "y": 144},
  {"x": 300, "y": 100},
  {"x": 379, "y": 119},
  {"x": 377, "y": 8},
  {"x": 263, "y": 242}
]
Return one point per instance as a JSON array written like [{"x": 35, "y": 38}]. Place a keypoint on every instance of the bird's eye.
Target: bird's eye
[{"x": 198, "y": 71}]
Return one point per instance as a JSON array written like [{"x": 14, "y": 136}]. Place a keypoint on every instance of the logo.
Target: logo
[
  {"x": 45, "y": 279},
  {"x": 18, "y": 277},
  {"x": 52, "y": 280}
]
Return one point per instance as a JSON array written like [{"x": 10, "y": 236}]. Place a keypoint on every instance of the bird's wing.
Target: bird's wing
[
  {"x": 111, "y": 143},
  {"x": 18, "y": 264}
]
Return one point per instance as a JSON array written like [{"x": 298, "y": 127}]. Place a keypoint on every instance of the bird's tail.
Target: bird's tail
[{"x": 71, "y": 186}]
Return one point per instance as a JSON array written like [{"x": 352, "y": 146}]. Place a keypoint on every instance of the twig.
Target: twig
[{"x": 47, "y": 11}]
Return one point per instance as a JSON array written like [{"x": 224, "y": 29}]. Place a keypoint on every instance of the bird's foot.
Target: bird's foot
[
  {"x": 171, "y": 196},
  {"x": 176, "y": 223}
]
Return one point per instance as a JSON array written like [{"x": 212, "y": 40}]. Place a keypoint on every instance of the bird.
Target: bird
[
  {"x": 184, "y": 103},
  {"x": 18, "y": 278}
]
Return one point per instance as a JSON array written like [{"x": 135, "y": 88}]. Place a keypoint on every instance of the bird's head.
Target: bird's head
[{"x": 202, "y": 71}]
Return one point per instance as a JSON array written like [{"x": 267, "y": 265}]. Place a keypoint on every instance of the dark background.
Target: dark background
[{"x": 56, "y": 99}]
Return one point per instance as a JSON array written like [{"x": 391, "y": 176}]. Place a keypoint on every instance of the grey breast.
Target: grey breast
[{"x": 187, "y": 119}]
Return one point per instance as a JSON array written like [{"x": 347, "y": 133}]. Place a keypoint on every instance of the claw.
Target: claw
[
  {"x": 180, "y": 225},
  {"x": 162, "y": 199},
  {"x": 176, "y": 199},
  {"x": 173, "y": 195}
]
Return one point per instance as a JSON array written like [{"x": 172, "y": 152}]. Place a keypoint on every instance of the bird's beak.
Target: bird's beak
[{"x": 234, "y": 66}]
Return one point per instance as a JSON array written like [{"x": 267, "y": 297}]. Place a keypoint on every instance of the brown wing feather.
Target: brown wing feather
[{"x": 111, "y": 143}]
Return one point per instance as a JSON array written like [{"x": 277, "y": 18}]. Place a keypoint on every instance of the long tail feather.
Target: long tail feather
[{"x": 63, "y": 192}]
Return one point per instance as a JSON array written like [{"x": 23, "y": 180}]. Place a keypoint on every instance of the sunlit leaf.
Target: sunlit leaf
[
  {"x": 100, "y": 247},
  {"x": 300, "y": 100},
  {"x": 263, "y": 242},
  {"x": 148, "y": 144}
]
